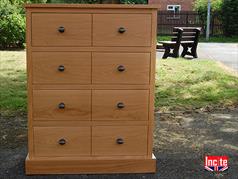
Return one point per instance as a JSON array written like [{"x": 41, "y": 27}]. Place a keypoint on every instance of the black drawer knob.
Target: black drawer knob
[
  {"x": 62, "y": 141},
  {"x": 61, "y": 68},
  {"x": 121, "y": 68},
  {"x": 121, "y": 30},
  {"x": 120, "y": 105},
  {"x": 120, "y": 141},
  {"x": 61, "y": 29},
  {"x": 61, "y": 105}
]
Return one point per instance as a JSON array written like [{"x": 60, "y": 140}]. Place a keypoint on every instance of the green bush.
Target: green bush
[
  {"x": 12, "y": 25},
  {"x": 230, "y": 17},
  {"x": 74, "y": 1},
  {"x": 133, "y": 1},
  {"x": 201, "y": 7},
  {"x": 100, "y": 1},
  {"x": 227, "y": 11}
]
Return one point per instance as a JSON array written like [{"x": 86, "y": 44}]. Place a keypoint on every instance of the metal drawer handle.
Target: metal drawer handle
[
  {"x": 61, "y": 68},
  {"x": 61, "y": 29},
  {"x": 120, "y": 141},
  {"x": 120, "y": 105},
  {"x": 121, "y": 68},
  {"x": 61, "y": 106},
  {"x": 121, "y": 30},
  {"x": 62, "y": 142}
]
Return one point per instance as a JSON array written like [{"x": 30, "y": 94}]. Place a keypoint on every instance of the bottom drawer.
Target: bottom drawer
[
  {"x": 62, "y": 141},
  {"x": 119, "y": 140}
]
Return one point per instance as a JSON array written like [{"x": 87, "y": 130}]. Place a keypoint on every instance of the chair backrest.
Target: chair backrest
[
  {"x": 190, "y": 34},
  {"x": 177, "y": 35}
]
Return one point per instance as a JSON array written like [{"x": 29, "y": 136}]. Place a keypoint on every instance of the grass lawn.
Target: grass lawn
[
  {"x": 190, "y": 84},
  {"x": 12, "y": 82},
  {"x": 179, "y": 84},
  {"x": 233, "y": 39}
]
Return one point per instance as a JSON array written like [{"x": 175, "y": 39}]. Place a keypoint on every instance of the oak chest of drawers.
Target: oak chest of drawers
[{"x": 90, "y": 88}]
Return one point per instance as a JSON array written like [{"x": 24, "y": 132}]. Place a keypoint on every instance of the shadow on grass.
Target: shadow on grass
[
  {"x": 194, "y": 84},
  {"x": 13, "y": 92}
]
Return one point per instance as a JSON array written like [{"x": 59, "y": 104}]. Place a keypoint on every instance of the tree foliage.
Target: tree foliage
[
  {"x": 227, "y": 11},
  {"x": 100, "y": 1},
  {"x": 230, "y": 17},
  {"x": 12, "y": 25},
  {"x": 201, "y": 5}
]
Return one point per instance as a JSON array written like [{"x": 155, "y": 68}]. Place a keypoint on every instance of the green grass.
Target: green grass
[
  {"x": 218, "y": 39},
  {"x": 12, "y": 82},
  {"x": 179, "y": 84},
  {"x": 190, "y": 84}
]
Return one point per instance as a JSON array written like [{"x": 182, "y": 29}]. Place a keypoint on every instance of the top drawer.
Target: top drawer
[
  {"x": 52, "y": 29},
  {"x": 122, "y": 30}
]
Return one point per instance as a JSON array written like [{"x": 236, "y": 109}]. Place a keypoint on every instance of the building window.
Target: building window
[{"x": 174, "y": 8}]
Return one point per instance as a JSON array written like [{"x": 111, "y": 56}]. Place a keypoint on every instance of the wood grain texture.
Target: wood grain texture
[
  {"x": 92, "y": 86},
  {"x": 77, "y": 67},
  {"x": 29, "y": 84},
  {"x": 78, "y": 141},
  {"x": 78, "y": 123},
  {"x": 105, "y": 29},
  {"x": 105, "y": 68},
  {"x": 45, "y": 29},
  {"x": 104, "y": 140},
  {"x": 91, "y": 6},
  {"x": 104, "y": 105},
  {"x": 77, "y": 104},
  {"x": 87, "y": 166},
  {"x": 152, "y": 82},
  {"x": 91, "y": 50}
]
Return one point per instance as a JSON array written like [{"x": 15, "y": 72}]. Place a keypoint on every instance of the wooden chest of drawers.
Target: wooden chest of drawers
[{"x": 90, "y": 88}]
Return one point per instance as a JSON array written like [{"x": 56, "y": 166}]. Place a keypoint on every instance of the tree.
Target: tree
[
  {"x": 227, "y": 11},
  {"x": 201, "y": 5},
  {"x": 12, "y": 25},
  {"x": 230, "y": 17}
]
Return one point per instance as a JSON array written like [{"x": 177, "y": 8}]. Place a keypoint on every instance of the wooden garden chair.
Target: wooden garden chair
[
  {"x": 172, "y": 47},
  {"x": 190, "y": 40}
]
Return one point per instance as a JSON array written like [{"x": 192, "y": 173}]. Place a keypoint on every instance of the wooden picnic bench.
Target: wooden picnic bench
[
  {"x": 189, "y": 40},
  {"x": 173, "y": 45}
]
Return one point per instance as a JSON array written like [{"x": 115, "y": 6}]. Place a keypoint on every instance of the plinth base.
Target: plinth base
[{"x": 89, "y": 165}]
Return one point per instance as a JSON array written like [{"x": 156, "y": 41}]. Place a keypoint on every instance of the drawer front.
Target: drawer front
[
  {"x": 52, "y": 29},
  {"x": 62, "y": 141},
  {"x": 120, "y": 68},
  {"x": 61, "y": 67},
  {"x": 120, "y": 105},
  {"x": 122, "y": 30},
  {"x": 62, "y": 104},
  {"x": 119, "y": 140}
]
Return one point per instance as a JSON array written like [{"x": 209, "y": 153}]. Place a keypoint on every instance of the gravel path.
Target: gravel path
[{"x": 182, "y": 139}]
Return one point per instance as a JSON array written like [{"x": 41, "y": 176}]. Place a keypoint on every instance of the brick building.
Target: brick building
[{"x": 173, "y": 5}]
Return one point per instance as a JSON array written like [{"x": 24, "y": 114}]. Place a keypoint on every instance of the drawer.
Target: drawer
[
  {"x": 62, "y": 141},
  {"x": 61, "y": 67},
  {"x": 122, "y": 30},
  {"x": 120, "y": 68},
  {"x": 119, "y": 140},
  {"x": 56, "y": 29},
  {"x": 120, "y": 104},
  {"x": 62, "y": 104}
]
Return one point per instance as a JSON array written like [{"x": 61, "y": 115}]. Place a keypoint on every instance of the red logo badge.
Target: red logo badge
[{"x": 216, "y": 163}]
